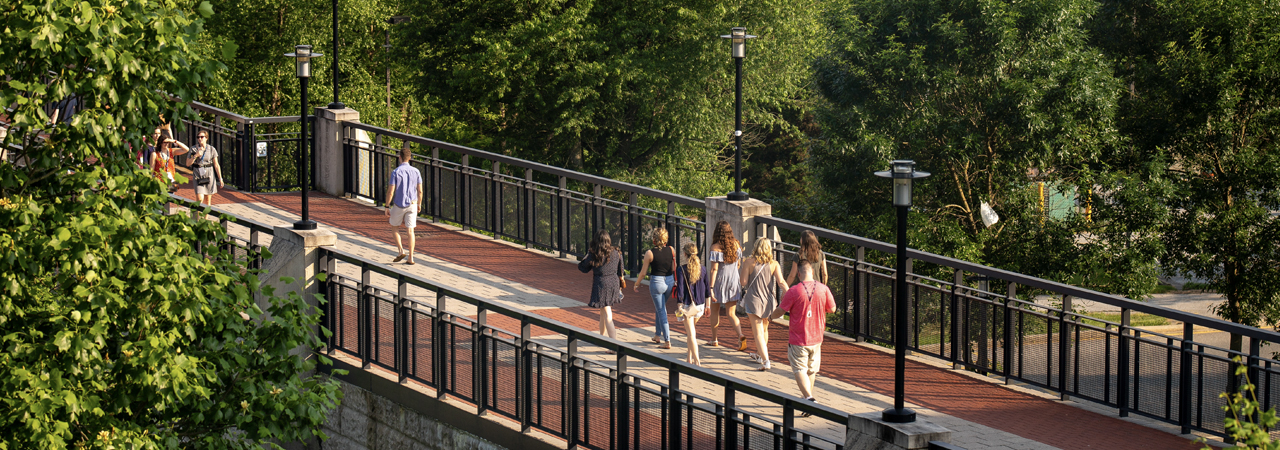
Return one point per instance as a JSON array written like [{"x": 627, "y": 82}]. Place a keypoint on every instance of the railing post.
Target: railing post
[
  {"x": 480, "y": 359},
  {"x": 363, "y": 304},
  {"x": 380, "y": 194},
  {"x": 957, "y": 280},
  {"x": 622, "y": 439},
  {"x": 437, "y": 194},
  {"x": 860, "y": 308},
  {"x": 674, "y": 406},
  {"x": 1184, "y": 378},
  {"x": 464, "y": 179},
  {"x": 570, "y": 362},
  {"x": 673, "y": 230},
  {"x": 632, "y": 233},
  {"x": 495, "y": 200},
  {"x": 1009, "y": 303},
  {"x": 402, "y": 342},
  {"x": 562, "y": 217},
  {"x": 788, "y": 425},
  {"x": 525, "y": 372},
  {"x": 1064, "y": 347},
  {"x": 1122, "y": 363},
  {"x": 440, "y": 340},
  {"x": 730, "y": 416},
  {"x": 530, "y": 202}
]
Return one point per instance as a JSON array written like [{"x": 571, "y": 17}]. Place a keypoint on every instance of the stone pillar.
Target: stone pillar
[
  {"x": 293, "y": 254},
  {"x": 330, "y": 167},
  {"x": 740, "y": 215},
  {"x": 867, "y": 432}
]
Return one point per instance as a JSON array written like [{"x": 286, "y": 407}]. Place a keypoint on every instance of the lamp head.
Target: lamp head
[
  {"x": 738, "y": 41},
  {"x": 902, "y": 172},
  {"x": 302, "y": 56}
]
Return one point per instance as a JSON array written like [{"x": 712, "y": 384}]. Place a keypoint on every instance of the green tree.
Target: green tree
[
  {"x": 115, "y": 331},
  {"x": 991, "y": 97},
  {"x": 1205, "y": 105},
  {"x": 640, "y": 91}
]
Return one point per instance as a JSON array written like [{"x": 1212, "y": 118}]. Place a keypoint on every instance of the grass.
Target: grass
[
  {"x": 1135, "y": 319},
  {"x": 1163, "y": 289}
]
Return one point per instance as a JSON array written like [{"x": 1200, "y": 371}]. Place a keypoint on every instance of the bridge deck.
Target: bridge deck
[{"x": 855, "y": 377}]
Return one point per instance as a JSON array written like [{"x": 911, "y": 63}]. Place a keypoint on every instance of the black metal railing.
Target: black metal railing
[
  {"x": 977, "y": 319},
  {"x": 256, "y": 154},
  {"x": 405, "y": 327},
  {"x": 245, "y": 237},
  {"x": 542, "y": 206}
]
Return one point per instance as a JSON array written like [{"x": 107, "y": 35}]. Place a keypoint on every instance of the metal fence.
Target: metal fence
[
  {"x": 406, "y": 327},
  {"x": 256, "y": 154},
  {"x": 542, "y": 206},
  {"x": 1026, "y": 329},
  {"x": 245, "y": 237}
]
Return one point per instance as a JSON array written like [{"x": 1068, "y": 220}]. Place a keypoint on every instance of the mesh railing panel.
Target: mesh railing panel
[
  {"x": 503, "y": 377},
  {"x": 595, "y": 411},
  {"x": 421, "y": 329},
  {"x": 512, "y": 220},
  {"x": 548, "y": 395}
]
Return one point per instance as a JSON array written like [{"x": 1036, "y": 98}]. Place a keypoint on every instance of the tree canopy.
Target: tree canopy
[{"x": 116, "y": 331}]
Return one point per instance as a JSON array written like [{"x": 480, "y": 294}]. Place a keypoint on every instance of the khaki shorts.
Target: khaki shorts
[
  {"x": 805, "y": 358},
  {"x": 407, "y": 216}
]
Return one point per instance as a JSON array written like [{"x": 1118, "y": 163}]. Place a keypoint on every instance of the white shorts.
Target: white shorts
[
  {"x": 407, "y": 216},
  {"x": 805, "y": 358}
]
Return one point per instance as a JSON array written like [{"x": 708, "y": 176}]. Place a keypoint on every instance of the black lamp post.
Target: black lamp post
[
  {"x": 336, "y": 104},
  {"x": 902, "y": 173},
  {"x": 302, "y": 56},
  {"x": 738, "y": 49}
]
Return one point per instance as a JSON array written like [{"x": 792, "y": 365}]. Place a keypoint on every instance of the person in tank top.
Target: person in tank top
[
  {"x": 762, "y": 278},
  {"x": 659, "y": 263}
]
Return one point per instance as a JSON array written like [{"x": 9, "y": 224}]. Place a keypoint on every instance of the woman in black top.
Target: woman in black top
[
  {"x": 662, "y": 259},
  {"x": 605, "y": 263}
]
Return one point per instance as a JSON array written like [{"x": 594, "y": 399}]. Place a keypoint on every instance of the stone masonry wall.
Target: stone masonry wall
[{"x": 365, "y": 421}]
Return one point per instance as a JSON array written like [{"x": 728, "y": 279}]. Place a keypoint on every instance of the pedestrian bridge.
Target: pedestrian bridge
[{"x": 493, "y": 319}]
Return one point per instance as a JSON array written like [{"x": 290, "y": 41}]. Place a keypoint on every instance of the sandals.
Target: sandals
[
  {"x": 399, "y": 257},
  {"x": 764, "y": 363},
  {"x": 713, "y": 343},
  {"x": 742, "y": 343},
  {"x": 656, "y": 340},
  {"x": 665, "y": 345}
]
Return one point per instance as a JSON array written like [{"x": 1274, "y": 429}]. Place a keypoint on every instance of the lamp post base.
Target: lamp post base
[
  {"x": 738, "y": 196},
  {"x": 305, "y": 225},
  {"x": 895, "y": 415},
  {"x": 336, "y": 105}
]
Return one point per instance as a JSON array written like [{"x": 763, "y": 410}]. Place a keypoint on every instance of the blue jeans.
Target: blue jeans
[{"x": 659, "y": 289}]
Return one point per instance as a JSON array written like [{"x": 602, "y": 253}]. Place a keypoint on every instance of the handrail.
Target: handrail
[
  {"x": 224, "y": 214},
  {"x": 593, "y": 179},
  {"x": 623, "y": 349},
  {"x": 218, "y": 112},
  {"x": 1026, "y": 280}
]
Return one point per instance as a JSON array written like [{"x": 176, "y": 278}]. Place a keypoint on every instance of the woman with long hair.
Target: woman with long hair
[
  {"x": 662, "y": 259},
  {"x": 763, "y": 277},
  {"x": 725, "y": 290},
  {"x": 810, "y": 250},
  {"x": 605, "y": 263},
  {"x": 691, "y": 292},
  {"x": 162, "y": 160}
]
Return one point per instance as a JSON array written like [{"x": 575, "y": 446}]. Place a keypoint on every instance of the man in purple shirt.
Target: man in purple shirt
[{"x": 405, "y": 189}]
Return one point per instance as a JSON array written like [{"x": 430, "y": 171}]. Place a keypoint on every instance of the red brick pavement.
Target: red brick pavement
[{"x": 944, "y": 391}]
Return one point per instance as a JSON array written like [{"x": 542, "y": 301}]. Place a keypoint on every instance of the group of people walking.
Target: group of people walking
[
  {"x": 160, "y": 156},
  {"x": 727, "y": 280}
]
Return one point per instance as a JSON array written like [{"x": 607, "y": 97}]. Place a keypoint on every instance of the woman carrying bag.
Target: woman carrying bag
[
  {"x": 204, "y": 166},
  {"x": 692, "y": 291},
  {"x": 605, "y": 264}
]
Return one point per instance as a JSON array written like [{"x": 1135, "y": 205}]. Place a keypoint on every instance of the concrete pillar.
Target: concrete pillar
[
  {"x": 330, "y": 166},
  {"x": 293, "y": 254},
  {"x": 740, "y": 215},
  {"x": 867, "y": 431}
]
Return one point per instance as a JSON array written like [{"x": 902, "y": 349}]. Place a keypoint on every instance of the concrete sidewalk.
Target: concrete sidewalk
[{"x": 855, "y": 377}]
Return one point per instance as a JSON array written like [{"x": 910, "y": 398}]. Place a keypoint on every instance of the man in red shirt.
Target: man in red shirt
[{"x": 808, "y": 303}]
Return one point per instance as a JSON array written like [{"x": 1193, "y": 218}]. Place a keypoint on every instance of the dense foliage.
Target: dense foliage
[{"x": 116, "y": 332}]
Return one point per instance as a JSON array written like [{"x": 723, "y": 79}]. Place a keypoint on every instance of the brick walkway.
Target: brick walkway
[{"x": 855, "y": 377}]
